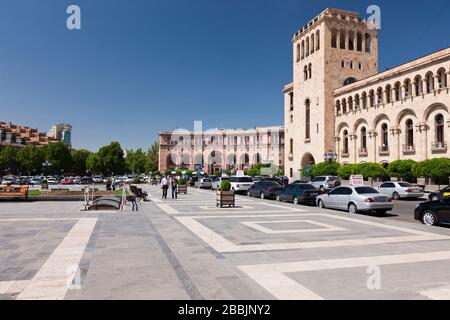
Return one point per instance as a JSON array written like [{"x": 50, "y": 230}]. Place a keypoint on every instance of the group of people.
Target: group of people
[{"x": 167, "y": 182}]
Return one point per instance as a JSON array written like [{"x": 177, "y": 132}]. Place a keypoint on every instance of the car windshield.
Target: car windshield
[
  {"x": 405, "y": 185},
  {"x": 306, "y": 187},
  {"x": 365, "y": 190},
  {"x": 271, "y": 184},
  {"x": 241, "y": 179}
]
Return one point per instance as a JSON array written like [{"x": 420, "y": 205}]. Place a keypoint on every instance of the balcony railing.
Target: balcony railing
[
  {"x": 383, "y": 151},
  {"x": 363, "y": 152},
  {"x": 439, "y": 147},
  {"x": 409, "y": 149}
]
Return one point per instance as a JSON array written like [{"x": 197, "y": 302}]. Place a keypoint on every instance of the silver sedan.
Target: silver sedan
[
  {"x": 354, "y": 199},
  {"x": 400, "y": 190}
]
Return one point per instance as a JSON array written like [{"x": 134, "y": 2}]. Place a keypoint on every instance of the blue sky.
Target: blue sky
[{"x": 141, "y": 66}]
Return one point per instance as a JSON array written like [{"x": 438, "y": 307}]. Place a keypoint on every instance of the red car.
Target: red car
[{"x": 67, "y": 181}]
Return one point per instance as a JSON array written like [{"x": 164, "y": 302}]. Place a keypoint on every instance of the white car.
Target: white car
[
  {"x": 51, "y": 180},
  {"x": 203, "y": 183},
  {"x": 97, "y": 179},
  {"x": 398, "y": 190},
  {"x": 241, "y": 184},
  {"x": 217, "y": 181},
  {"x": 128, "y": 179}
]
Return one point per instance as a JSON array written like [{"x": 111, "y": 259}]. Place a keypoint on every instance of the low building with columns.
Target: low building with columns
[
  {"x": 338, "y": 101},
  {"x": 228, "y": 149}
]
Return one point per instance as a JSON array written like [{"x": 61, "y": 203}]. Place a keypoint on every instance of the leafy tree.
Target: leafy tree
[
  {"x": 372, "y": 170},
  {"x": 30, "y": 159},
  {"x": 402, "y": 169},
  {"x": 152, "y": 159},
  {"x": 347, "y": 170},
  {"x": 325, "y": 169},
  {"x": 136, "y": 161},
  {"x": 94, "y": 163},
  {"x": 437, "y": 169},
  {"x": 58, "y": 154},
  {"x": 112, "y": 158},
  {"x": 79, "y": 160},
  {"x": 8, "y": 159}
]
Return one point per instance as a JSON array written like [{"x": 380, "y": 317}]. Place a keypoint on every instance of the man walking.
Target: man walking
[
  {"x": 165, "y": 187},
  {"x": 174, "y": 183}
]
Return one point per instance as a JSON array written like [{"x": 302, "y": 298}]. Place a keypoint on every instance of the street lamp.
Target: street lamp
[
  {"x": 47, "y": 164},
  {"x": 330, "y": 156}
]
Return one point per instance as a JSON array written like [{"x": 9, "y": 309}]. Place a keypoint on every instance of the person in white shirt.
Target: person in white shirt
[{"x": 165, "y": 187}]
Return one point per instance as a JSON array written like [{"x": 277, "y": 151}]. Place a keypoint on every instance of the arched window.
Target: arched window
[
  {"x": 357, "y": 102},
  {"x": 345, "y": 140},
  {"x": 371, "y": 99},
  {"x": 303, "y": 49},
  {"x": 298, "y": 52},
  {"x": 291, "y": 146},
  {"x": 364, "y": 139},
  {"x": 312, "y": 44},
  {"x": 388, "y": 93},
  {"x": 407, "y": 86},
  {"x": 338, "y": 107},
  {"x": 350, "y": 103},
  {"x": 344, "y": 106},
  {"x": 442, "y": 79},
  {"x": 430, "y": 82},
  {"x": 307, "y": 47},
  {"x": 342, "y": 35},
  {"x": 307, "y": 119},
  {"x": 418, "y": 86},
  {"x": 310, "y": 71},
  {"x": 368, "y": 43},
  {"x": 439, "y": 124},
  {"x": 379, "y": 96},
  {"x": 364, "y": 100},
  {"x": 351, "y": 40},
  {"x": 334, "y": 35},
  {"x": 349, "y": 80},
  {"x": 359, "y": 41},
  {"x": 409, "y": 133},
  {"x": 317, "y": 40},
  {"x": 397, "y": 91},
  {"x": 384, "y": 137}
]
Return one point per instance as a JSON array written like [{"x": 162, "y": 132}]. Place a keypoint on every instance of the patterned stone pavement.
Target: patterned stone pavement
[{"x": 190, "y": 249}]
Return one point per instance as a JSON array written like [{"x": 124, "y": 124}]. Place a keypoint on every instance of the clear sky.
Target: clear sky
[{"x": 138, "y": 67}]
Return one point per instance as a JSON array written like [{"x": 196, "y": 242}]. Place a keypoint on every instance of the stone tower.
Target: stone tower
[{"x": 334, "y": 49}]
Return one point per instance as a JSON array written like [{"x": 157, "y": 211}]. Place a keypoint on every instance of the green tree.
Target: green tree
[
  {"x": 325, "y": 169},
  {"x": 372, "y": 170},
  {"x": 8, "y": 160},
  {"x": 79, "y": 159},
  {"x": 30, "y": 159},
  {"x": 347, "y": 170},
  {"x": 136, "y": 161},
  {"x": 94, "y": 163},
  {"x": 152, "y": 158},
  {"x": 112, "y": 158},
  {"x": 58, "y": 154},
  {"x": 437, "y": 169},
  {"x": 402, "y": 169}
]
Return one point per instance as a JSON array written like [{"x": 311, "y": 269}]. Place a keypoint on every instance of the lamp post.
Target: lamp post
[
  {"x": 47, "y": 164},
  {"x": 330, "y": 156}
]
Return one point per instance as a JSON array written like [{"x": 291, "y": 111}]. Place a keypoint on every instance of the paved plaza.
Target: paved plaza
[{"x": 190, "y": 249}]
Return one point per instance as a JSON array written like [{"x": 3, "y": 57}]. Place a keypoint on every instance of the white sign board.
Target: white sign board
[
  {"x": 357, "y": 180},
  {"x": 240, "y": 173}
]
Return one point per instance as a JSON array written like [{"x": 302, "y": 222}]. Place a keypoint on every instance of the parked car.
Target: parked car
[
  {"x": 298, "y": 193},
  {"x": 356, "y": 198},
  {"x": 204, "y": 183},
  {"x": 398, "y": 190},
  {"x": 432, "y": 213},
  {"x": 326, "y": 182},
  {"x": 216, "y": 182},
  {"x": 68, "y": 181},
  {"x": 241, "y": 184},
  {"x": 435, "y": 196},
  {"x": 36, "y": 181},
  {"x": 87, "y": 180},
  {"x": 51, "y": 180},
  {"x": 97, "y": 179},
  {"x": 9, "y": 181},
  {"x": 264, "y": 189}
]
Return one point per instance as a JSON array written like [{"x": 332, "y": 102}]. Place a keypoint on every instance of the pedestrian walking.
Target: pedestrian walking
[
  {"x": 174, "y": 184},
  {"x": 164, "y": 187}
]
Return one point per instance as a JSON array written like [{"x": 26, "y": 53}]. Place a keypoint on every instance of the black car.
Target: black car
[
  {"x": 264, "y": 189},
  {"x": 432, "y": 213},
  {"x": 298, "y": 193},
  {"x": 434, "y": 196},
  {"x": 87, "y": 180}
]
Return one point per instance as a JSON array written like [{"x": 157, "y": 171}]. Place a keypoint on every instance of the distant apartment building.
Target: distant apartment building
[
  {"x": 20, "y": 136},
  {"x": 216, "y": 149},
  {"x": 61, "y": 132}
]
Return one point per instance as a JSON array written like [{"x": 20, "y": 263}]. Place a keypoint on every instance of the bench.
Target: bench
[
  {"x": 139, "y": 193},
  {"x": 14, "y": 192}
]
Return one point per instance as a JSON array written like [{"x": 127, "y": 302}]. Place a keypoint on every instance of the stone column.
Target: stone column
[
  {"x": 436, "y": 82},
  {"x": 396, "y": 148},
  {"x": 422, "y": 129},
  {"x": 373, "y": 140},
  {"x": 424, "y": 86},
  {"x": 447, "y": 75},
  {"x": 353, "y": 139},
  {"x": 338, "y": 39},
  {"x": 337, "y": 146}
]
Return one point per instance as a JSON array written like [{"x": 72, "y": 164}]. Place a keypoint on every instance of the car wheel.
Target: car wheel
[
  {"x": 321, "y": 204},
  {"x": 278, "y": 198},
  {"x": 295, "y": 200},
  {"x": 435, "y": 198},
  {"x": 262, "y": 195},
  {"x": 429, "y": 218},
  {"x": 395, "y": 196},
  {"x": 352, "y": 208}
]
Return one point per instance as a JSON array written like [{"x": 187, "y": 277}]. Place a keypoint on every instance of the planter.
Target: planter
[
  {"x": 182, "y": 189},
  {"x": 225, "y": 198}
]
